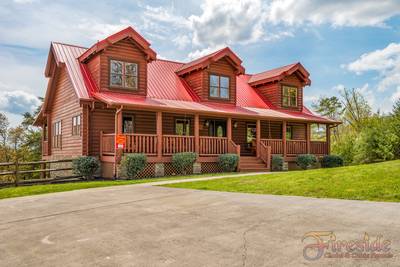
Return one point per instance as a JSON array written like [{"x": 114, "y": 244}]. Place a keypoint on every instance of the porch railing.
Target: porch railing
[
  {"x": 141, "y": 143},
  {"x": 265, "y": 155},
  {"x": 175, "y": 144},
  {"x": 318, "y": 147},
  {"x": 107, "y": 144},
  {"x": 295, "y": 147},
  {"x": 275, "y": 144},
  {"x": 212, "y": 146}
]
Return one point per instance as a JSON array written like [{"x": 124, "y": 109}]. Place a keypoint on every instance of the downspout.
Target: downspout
[{"x": 116, "y": 131}]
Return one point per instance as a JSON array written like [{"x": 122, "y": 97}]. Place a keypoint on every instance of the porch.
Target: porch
[{"x": 160, "y": 135}]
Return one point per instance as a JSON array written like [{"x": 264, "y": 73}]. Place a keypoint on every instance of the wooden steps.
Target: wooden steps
[{"x": 252, "y": 164}]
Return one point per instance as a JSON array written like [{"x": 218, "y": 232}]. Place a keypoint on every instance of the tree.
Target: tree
[
  {"x": 395, "y": 126},
  {"x": 330, "y": 107},
  {"x": 356, "y": 108},
  {"x": 4, "y": 125}
]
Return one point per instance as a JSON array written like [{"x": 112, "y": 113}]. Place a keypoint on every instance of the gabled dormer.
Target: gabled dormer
[
  {"x": 119, "y": 62},
  {"x": 213, "y": 77},
  {"x": 283, "y": 86}
]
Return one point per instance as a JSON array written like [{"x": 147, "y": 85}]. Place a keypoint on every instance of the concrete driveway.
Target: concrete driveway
[{"x": 144, "y": 225}]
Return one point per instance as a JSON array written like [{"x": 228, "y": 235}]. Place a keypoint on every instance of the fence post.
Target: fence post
[{"x": 16, "y": 173}]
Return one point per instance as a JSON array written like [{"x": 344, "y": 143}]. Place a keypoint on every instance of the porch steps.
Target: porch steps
[{"x": 252, "y": 164}]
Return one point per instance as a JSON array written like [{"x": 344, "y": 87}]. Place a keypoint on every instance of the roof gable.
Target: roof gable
[
  {"x": 278, "y": 74},
  {"x": 204, "y": 61},
  {"x": 129, "y": 33}
]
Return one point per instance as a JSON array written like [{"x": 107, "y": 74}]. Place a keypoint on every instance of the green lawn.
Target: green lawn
[
  {"x": 377, "y": 182},
  {"x": 51, "y": 188}
]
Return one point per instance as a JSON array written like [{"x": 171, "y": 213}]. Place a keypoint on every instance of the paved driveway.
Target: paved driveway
[{"x": 143, "y": 225}]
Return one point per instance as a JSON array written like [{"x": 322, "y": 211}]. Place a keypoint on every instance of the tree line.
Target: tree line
[{"x": 364, "y": 136}]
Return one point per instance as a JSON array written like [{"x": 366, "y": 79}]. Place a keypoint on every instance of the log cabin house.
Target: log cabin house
[{"x": 210, "y": 106}]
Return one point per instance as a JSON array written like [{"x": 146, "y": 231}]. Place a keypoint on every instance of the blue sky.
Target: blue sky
[{"x": 352, "y": 44}]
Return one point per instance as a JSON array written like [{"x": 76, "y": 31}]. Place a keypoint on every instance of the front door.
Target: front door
[
  {"x": 217, "y": 128},
  {"x": 251, "y": 131}
]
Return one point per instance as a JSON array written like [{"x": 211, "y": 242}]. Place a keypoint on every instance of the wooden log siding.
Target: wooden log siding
[
  {"x": 65, "y": 105},
  {"x": 107, "y": 144},
  {"x": 212, "y": 146},
  {"x": 319, "y": 148},
  {"x": 176, "y": 144}
]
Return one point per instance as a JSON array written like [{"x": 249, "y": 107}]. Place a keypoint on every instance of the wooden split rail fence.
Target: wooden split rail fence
[{"x": 19, "y": 170}]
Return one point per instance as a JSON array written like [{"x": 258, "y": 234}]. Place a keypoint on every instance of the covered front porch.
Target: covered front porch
[{"x": 161, "y": 134}]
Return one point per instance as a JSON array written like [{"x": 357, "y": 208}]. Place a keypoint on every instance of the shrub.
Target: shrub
[
  {"x": 331, "y": 161},
  {"x": 183, "y": 161},
  {"x": 85, "y": 166},
  {"x": 133, "y": 164},
  {"x": 277, "y": 163},
  {"x": 228, "y": 162},
  {"x": 306, "y": 161}
]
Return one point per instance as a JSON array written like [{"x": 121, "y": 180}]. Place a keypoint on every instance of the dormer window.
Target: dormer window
[
  {"x": 219, "y": 86},
  {"x": 123, "y": 74},
  {"x": 289, "y": 96}
]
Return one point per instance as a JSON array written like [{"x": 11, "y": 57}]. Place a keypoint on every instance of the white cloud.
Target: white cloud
[
  {"x": 202, "y": 52},
  {"x": 386, "y": 62},
  {"x": 396, "y": 95},
  {"x": 228, "y": 21},
  {"x": 181, "y": 41},
  {"x": 17, "y": 101},
  {"x": 336, "y": 13}
]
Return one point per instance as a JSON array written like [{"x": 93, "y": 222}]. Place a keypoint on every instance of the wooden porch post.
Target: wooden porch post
[
  {"x": 229, "y": 129},
  {"x": 159, "y": 134},
  {"x": 284, "y": 138},
  {"x": 197, "y": 134},
  {"x": 258, "y": 137},
  {"x": 117, "y": 130},
  {"x": 308, "y": 138},
  {"x": 328, "y": 139}
]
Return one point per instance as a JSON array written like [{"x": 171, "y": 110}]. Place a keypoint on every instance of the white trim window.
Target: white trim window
[
  {"x": 123, "y": 74},
  {"x": 289, "y": 96}
]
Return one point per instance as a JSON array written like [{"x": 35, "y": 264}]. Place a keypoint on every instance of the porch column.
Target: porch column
[
  {"x": 308, "y": 138},
  {"x": 328, "y": 139},
  {"x": 197, "y": 134},
  {"x": 229, "y": 129},
  {"x": 258, "y": 138},
  {"x": 284, "y": 138},
  {"x": 159, "y": 134}
]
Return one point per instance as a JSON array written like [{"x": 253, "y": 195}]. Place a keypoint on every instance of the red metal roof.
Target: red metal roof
[
  {"x": 278, "y": 74},
  {"x": 215, "y": 56},
  {"x": 166, "y": 90},
  {"x": 68, "y": 55},
  {"x": 128, "y": 32}
]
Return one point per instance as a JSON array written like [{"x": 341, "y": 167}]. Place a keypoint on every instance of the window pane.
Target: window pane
[
  {"x": 224, "y": 92},
  {"x": 285, "y": 91},
  {"x": 79, "y": 120},
  {"x": 116, "y": 67},
  {"x": 224, "y": 82},
  {"x": 214, "y": 91},
  {"x": 127, "y": 125},
  {"x": 116, "y": 79},
  {"x": 187, "y": 131},
  {"x": 285, "y": 101},
  {"x": 131, "y": 69},
  {"x": 220, "y": 131},
  {"x": 179, "y": 128},
  {"x": 131, "y": 82},
  {"x": 214, "y": 80},
  {"x": 293, "y": 101}
]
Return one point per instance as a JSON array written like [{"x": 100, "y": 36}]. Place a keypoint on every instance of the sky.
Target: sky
[{"x": 342, "y": 43}]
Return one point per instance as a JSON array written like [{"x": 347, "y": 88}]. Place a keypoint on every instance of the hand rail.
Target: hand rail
[
  {"x": 213, "y": 146},
  {"x": 177, "y": 143},
  {"x": 265, "y": 155}
]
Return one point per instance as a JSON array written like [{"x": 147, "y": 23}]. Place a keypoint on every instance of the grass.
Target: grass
[
  {"x": 376, "y": 182},
  {"x": 51, "y": 188}
]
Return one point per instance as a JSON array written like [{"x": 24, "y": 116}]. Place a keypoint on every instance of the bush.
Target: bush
[
  {"x": 228, "y": 162},
  {"x": 183, "y": 161},
  {"x": 85, "y": 166},
  {"x": 331, "y": 161},
  {"x": 133, "y": 164},
  {"x": 306, "y": 161},
  {"x": 277, "y": 163}
]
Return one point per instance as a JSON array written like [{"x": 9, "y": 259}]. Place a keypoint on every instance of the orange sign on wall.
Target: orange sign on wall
[{"x": 120, "y": 141}]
